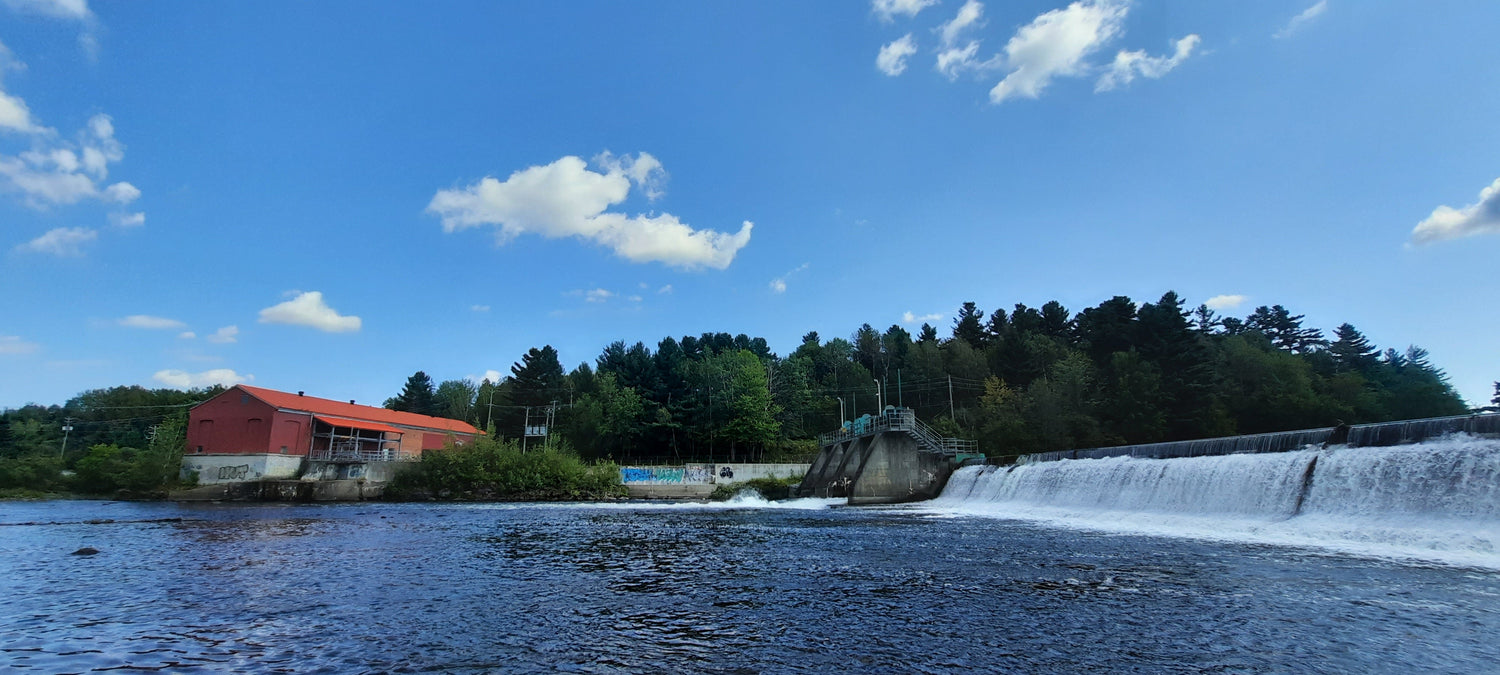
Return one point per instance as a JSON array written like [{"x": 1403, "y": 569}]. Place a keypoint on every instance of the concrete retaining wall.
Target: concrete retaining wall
[
  {"x": 882, "y": 468},
  {"x": 240, "y": 467},
  {"x": 283, "y": 491},
  {"x": 697, "y": 481}
]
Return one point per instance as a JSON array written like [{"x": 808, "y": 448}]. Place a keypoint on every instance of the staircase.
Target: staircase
[{"x": 902, "y": 420}]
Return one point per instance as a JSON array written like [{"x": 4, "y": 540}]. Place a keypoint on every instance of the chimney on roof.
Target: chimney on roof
[
  {"x": 299, "y": 393},
  {"x": 351, "y": 401}
]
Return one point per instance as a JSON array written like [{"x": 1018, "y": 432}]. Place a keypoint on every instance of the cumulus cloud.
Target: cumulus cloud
[
  {"x": 56, "y": 171},
  {"x": 597, "y": 295},
  {"x": 225, "y": 335},
  {"x": 1056, "y": 44},
  {"x": 567, "y": 199},
  {"x": 150, "y": 322},
  {"x": 14, "y": 114},
  {"x": 61, "y": 241},
  {"x": 910, "y": 318},
  {"x": 181, "y": 379},
  {"x": 1301, "y": 20},
  {"x": 309, "y": 309},
  {"x": 778, "y": 285},
  {"x": 13, "y": 344},
  {"x": 479, "y": 308},
  {"x": 1223, "y": 302},
  {"x": 1446, "y": 222},
  {"x": 1127, "y": 64},
  {"x": 888, "y": 10},
  {"x": 892, "y": 57}
]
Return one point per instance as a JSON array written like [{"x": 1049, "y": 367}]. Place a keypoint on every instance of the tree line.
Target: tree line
[{"x": 1019, "y": 380}]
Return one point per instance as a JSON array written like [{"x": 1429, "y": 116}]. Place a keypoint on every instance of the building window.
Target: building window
[
  {"x": 199, "y": 450},
  {"x": 244, "y": 399},
  {"x": 283, "y": 449}
]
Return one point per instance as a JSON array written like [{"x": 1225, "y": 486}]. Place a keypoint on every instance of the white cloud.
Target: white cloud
[
  {"x": 187, "y": 335},
  {"x": 308, "y": 309},
  {"x": 778, "y": 285},
  {"x": 57, "y": 9},
  {"x": 1056, "y": 44},
  {"x": 479, "y": 308},
  {"x": 1301, "y": 20},
  {"x": 909, "y": 318},
  {"x": 566, "y": 199},
  {"x": 970, "y": 15},
  {"x": 665, "y": 289},
  {"x": 127, "y": 219},
  {"x": 954, "y": 61},
  {"x": 61, "y": 241},
  {"x": 887, "y": 10},
  {"x": 1127, "y": 64},
  {"x": 1446, "y": 222},
  {"x": 892, "y": 57},
  {"x": 181, "y": 379},
  {"x": 122, "y": 192},
  {"x": 13, "y": 344},
  {"x": 58, "y": 172},
  {"x": 225, "y": 335},
  {"x": 150, "y": 322},
  {"x": 643, "y": 170},
  {"x": 635, "y": 298},
  {"x": 597, "y": 295},
  {"x": 494, "y": 376},
  {"x": 1223, "y": 302}
]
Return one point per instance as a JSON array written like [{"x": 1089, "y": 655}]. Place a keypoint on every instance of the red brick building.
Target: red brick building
[{"x": 263, "y": 433}]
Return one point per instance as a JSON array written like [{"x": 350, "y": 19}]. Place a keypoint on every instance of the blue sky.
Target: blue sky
[{"x": 330, "y": 196}]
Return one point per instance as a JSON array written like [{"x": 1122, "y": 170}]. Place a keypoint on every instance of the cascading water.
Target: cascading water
[{"x": 1437, "y": 500}]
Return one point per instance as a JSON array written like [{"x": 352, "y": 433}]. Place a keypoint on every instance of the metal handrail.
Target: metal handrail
[{"x": 900, "y": 419}]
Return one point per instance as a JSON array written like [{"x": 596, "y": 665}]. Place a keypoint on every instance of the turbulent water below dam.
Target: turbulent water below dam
[{"x": 1106, "y": 565}]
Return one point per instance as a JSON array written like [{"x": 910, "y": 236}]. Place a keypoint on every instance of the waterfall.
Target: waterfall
[{"x": 1436, "y": 500}]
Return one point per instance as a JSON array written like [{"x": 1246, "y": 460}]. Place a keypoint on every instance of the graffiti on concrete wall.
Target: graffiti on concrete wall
[
  {"x": 234, "y": 472},
  {"x": 652, "y": 474}
]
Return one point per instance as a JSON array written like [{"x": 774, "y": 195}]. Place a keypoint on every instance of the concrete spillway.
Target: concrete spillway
[{"x": 886, "y": 467}]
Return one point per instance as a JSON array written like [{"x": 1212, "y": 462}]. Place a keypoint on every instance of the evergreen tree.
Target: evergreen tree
[
  {"x": 1056, "y": 322},
  {"x": 416, "y": 397},
  {"x": 1284, "y": 330},
  {"x": 928, "y": 334},
  {"x": 1351, "y": 351},
  {"x": 969, "y": 326},
  {"x": 1107, "y": 329}
]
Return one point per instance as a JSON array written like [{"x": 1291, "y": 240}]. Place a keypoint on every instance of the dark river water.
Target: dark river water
[{"x": 659, "y": 588}]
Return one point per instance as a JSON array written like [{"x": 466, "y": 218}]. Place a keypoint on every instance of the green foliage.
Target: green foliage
[
  {"x": 768, "y": 488},
  {"x": 455, "y": 399},
  {"x": 490, "y": 470}
]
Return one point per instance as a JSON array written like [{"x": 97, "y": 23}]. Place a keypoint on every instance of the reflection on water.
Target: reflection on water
[{"x": 591, "y": 588}]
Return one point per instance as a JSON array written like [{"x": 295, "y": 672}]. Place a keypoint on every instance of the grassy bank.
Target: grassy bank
[{"x": 489, "y": 470}]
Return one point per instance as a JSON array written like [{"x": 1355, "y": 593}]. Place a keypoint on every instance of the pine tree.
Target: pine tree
[
  {"x": 1351, "y": 351},
  {"x": 968, "y": 325},
  {"x": 417, "y": 396},
  {"x": 928, "y": 334}
]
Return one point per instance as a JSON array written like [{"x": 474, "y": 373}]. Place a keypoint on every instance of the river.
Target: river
[{"x": 744, "y": 587}]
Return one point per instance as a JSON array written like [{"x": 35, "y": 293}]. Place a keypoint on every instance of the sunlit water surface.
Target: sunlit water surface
[{"x": 741, "y": 588}]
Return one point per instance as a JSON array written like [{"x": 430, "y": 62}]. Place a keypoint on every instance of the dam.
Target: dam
[
  {"x": 1437, "y": 498},
  {"x": 887, "y": 458}
]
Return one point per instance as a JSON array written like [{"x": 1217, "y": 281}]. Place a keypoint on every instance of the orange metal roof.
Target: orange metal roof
[
  {"x": 352, "y": 411},
  {"x": 357, "y": 424}
]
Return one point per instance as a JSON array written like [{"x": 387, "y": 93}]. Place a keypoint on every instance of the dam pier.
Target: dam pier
[{"x": 887, "y": 458}]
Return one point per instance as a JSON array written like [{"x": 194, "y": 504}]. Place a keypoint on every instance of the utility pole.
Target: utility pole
[
  {"x": 878, "y": 408},
  {"x": 67, "y": 428},
  {"x": 900, "y": 400},
  {"x": 951, "y": 416},
  {"x": 525, "y": 428}
]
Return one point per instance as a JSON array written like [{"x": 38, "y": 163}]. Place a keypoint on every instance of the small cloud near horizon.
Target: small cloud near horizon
[{"x": 1222, "y": 302}]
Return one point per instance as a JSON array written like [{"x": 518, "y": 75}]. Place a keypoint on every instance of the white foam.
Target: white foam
[{"x": 1437, "y": 501}]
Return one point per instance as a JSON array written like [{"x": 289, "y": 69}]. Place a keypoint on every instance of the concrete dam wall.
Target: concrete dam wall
[
  {"x": 1383, "y": 434},
  {"x": 887, "y": 467}
]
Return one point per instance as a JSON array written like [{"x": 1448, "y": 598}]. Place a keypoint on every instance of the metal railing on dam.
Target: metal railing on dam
[
  {"x": 1359, "y": 435},
  {"x": 903, "y": 420}
]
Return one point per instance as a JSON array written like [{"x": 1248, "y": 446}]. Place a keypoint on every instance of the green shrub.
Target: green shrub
[
  {"x": 32, "y": 474},
  {"x": 770, "y": 488},
  {"x": 499, "y": 471}
]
